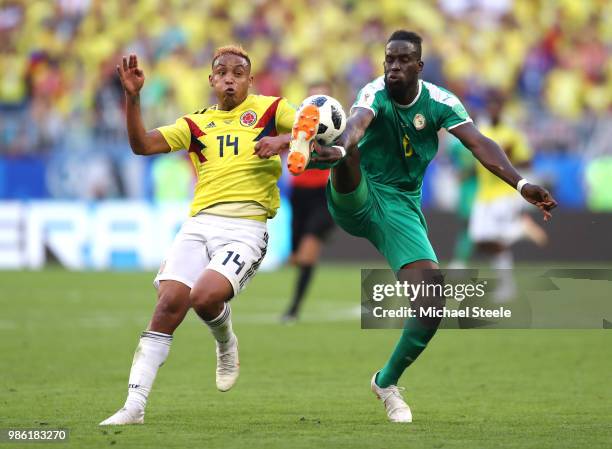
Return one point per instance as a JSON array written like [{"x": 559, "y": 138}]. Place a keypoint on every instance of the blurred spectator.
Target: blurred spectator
[
  {"x": 108, "y": 103},
  {"x": 173, "y": 178},
  {"x": 599, "y": 184},
  {"x": 58, "y": 86}
]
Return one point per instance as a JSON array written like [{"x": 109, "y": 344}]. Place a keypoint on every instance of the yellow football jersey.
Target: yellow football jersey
[
  {"x": 221, "y": 146},
  {"x": 515, "y": 145}
]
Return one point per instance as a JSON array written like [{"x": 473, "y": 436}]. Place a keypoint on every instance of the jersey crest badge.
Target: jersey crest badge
[
  {"x": 248, "y": 118},
  {"x": 419, "y": 122}
]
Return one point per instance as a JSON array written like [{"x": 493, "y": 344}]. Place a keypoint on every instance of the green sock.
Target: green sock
[
  {"x": 414, "y": 339},
  {"x": 464, "y": 247}
]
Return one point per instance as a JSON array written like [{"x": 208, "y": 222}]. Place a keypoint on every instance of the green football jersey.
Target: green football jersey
[{"x": 402, "y": 139}]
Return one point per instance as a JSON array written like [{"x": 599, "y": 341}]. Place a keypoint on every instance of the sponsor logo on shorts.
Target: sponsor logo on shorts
[{"x": 248, "y": 118}]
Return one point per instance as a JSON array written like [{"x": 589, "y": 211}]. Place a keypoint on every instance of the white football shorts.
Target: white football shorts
[
  {"x": 233, "y": 247},
  {"x": 498, "y": 220}
]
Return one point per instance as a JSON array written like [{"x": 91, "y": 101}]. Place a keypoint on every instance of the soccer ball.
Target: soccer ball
[{"x": 332, "y": 119}]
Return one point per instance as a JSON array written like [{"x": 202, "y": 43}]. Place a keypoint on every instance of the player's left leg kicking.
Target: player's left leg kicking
[{"x": 202, "y": 271}]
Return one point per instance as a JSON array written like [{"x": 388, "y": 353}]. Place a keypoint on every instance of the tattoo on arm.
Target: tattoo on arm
[{"x": 134, "y": 100}]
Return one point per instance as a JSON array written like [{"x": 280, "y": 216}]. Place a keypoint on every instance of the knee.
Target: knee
[
  {"x": 432, "y": 280},
  {"x": 171, "y": 301},
  {"x": 205, "y": 298}
]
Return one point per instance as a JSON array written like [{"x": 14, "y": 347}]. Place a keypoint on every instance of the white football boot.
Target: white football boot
[
  {"x": 123, "y": 417},
  {"x": 396, "y": 407},
  {"x": 228, "y": 365}
]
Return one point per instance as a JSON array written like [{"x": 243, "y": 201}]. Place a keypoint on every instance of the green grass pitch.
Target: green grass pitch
[{"x": 67, "y": 340}]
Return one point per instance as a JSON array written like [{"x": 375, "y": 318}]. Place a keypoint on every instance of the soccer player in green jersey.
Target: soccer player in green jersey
[{"x": 375, "y": 185}]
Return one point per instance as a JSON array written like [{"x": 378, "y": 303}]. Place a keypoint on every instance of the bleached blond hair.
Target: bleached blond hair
[{"x": 231, "y": 50}]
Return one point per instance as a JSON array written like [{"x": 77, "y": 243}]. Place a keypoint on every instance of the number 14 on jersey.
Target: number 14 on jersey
[{"x": 226, "y": 142}]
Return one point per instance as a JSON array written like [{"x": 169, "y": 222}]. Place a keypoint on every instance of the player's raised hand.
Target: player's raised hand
[
  {"x": 131, "y": 76},
  {"x": 540, "y": 197}
]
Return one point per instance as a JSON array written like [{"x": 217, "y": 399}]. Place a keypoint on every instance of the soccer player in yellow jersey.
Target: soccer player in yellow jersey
[
  {"x": 219, "y": 248},
  {"x": 497, "y": 220}
]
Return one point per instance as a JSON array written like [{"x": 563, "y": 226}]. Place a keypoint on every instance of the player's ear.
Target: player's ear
[
  {"x": 250, "y": 80},
  {"x": 421, "y": 64},
  {"x": 210, "y": 83}
]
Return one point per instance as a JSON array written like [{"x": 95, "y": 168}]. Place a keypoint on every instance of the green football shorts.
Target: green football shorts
[{"x": 391, "y": 219}]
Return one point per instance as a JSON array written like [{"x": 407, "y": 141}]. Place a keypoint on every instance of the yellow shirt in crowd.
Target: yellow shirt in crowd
[{"x": 515, "y": 145}]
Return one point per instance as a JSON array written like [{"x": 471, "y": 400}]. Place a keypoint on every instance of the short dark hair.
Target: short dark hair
[{"x": 408, "y": 36}]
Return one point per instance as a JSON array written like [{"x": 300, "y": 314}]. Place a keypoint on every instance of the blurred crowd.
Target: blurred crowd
[{"x": 59, "y": 90}]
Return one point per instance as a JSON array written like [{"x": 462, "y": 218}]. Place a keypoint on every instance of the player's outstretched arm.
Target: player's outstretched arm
[
  {"x": 494, "y": 159},
  {"x": 272, "y": 145},
  {"x": 142, "y": 142},
  {"x": 356, "y": 125}
]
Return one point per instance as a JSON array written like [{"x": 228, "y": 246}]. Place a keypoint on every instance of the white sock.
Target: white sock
[
  {"x": 503, "y": 260},
  {"x": 503, "y": 263},
  {"x": 150, "y": 354},
  {"x": 221, "y": 327}
]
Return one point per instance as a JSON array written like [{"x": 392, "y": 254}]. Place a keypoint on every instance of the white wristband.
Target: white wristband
[
  {"x": 342, "y": 150},
  {"x": 521, "y": 184}
]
